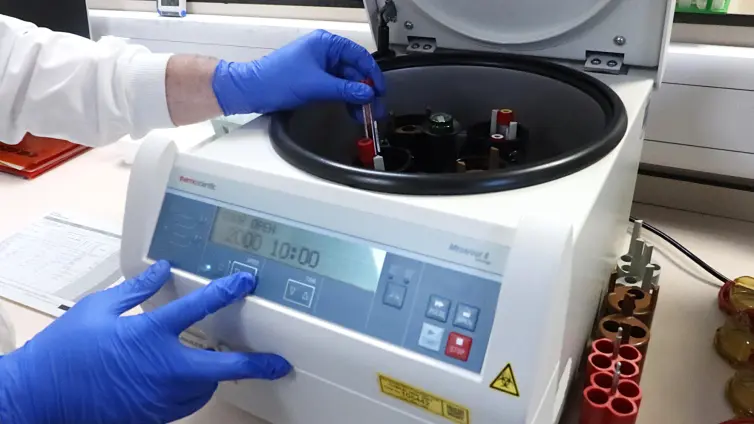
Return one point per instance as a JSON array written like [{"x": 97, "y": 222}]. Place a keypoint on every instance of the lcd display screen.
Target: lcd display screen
[{"x": 347, "y": 261}]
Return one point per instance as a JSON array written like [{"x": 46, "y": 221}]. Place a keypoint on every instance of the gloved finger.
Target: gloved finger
[
  {"x": 135, "y": 291},
  {"x": 350, "y": 73},
  {"x": 226, "y": 366},
  {"x": 188, "y": 407},
  {"x": 357, "y": 56},
  {"x": 378, "y": 108},
  {"x": 334, "y": 88},
  {"x": 182, "y": 313}
]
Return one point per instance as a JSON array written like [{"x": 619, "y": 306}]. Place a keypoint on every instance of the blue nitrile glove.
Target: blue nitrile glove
[
  {"x": 318, "y": 66},
  {"x": 92, "y": 366}
]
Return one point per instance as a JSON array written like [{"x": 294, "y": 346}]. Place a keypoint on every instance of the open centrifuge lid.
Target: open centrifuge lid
[{"x": 635, "y": 30}]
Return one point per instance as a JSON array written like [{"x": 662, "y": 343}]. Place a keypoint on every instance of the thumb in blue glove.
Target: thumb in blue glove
[
  {"x": 94, "y": 366},
  {"x": 317, "y": 67}
]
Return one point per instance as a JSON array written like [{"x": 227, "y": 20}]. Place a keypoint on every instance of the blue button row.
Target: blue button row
[
  {"x": 438, "y": 308},
  {"x": 466, "y": 316}
]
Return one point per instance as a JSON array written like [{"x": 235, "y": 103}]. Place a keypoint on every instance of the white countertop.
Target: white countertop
[{"x": 683, "y": 379}]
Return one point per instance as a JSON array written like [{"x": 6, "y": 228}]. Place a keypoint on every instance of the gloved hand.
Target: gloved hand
[
  {"x": 93, "y": 366},
  {"x": 318, "y": 66}
]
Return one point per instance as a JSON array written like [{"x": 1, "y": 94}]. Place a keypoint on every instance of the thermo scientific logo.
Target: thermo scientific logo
[
  {"x": 202, "y": 184},
  {"x": 479, "y": 255}
]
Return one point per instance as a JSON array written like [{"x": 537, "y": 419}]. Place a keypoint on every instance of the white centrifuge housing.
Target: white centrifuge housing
[{"x": 411, "y": 298}]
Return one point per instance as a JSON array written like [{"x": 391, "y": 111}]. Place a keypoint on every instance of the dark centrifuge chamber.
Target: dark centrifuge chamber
[{"x": 567, "y": 120}]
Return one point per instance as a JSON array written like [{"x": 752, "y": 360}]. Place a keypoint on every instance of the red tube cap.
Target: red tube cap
[{"x": 505, "y": 117}]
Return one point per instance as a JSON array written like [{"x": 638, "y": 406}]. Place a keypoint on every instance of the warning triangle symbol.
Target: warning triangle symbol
[{"x": 505, "y": 382}]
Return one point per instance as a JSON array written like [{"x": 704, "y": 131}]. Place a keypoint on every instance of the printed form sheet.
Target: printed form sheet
[{"x": 56, "y": 261}]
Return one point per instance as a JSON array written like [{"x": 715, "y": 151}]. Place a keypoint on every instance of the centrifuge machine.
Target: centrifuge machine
[{"x": 442, "y": 262}]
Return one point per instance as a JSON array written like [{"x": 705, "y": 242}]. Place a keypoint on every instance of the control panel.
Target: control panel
[{"x": 439, "y": 310}]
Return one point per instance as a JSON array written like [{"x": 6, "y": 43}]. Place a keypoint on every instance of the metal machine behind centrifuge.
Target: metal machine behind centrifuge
[{"x": 424, "y": 293}]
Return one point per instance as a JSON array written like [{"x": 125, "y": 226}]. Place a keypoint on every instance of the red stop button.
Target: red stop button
[{"x": 458, "y": 346}]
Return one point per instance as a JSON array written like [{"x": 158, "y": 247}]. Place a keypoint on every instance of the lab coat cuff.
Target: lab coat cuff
[{"x": 146, "y": 81}]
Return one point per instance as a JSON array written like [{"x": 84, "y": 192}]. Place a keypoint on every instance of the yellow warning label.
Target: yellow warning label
[
  {"x": 425, "y": 400},
  {"x": 506, "y": 382}
]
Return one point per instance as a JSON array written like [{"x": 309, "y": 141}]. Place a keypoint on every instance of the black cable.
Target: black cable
[{"x": 715, "y": 273}]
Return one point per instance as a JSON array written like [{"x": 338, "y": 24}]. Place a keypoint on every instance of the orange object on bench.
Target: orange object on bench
[{"x": 34, "y": 156}]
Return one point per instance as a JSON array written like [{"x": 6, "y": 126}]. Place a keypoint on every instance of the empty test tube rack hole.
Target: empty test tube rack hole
[
  {"x": 603, "y": 380},
  {"x": 637, "y": 293},
  {"x": 597, "y": 396},
  {"x": 602, "y": 361},
  {"x": 604, "y": 346},
  {"x": 638, "y": 332},
  {"x": 622, "y": 406},
  {"x": 627, "y": 353},
  {"x": 611, "y": 326},
  {"x": 628, "y": 389}
]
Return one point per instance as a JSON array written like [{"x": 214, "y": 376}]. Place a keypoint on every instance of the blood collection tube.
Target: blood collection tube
[
  {"x": 621, "y": 411},
  {"x": 366, "y": 152},
  {"x": 594, "y": 406},
  {"x": 504, "y": 119}
]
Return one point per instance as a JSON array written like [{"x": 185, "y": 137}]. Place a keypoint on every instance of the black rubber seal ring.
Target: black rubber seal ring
[{"x": 468, "y": 183}]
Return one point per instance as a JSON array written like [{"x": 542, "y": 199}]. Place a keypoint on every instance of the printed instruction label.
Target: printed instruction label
[
  {"x": 506, "y": 382},
  {"x": 425, "y": 400}
]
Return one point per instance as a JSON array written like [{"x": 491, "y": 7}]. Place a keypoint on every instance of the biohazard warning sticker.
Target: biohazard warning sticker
[
  {"x": 425, "y": 400},
  {"x": 506, "y": 382}
]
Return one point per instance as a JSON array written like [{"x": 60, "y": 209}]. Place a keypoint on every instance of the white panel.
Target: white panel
[
  {"x": 705, "y": 199},
  {"x": 708, "y": 65},
  {"x": 702, "y": 116},
  {"x": 265, "y": 33},
  {"x": 233, "y": 53},
  {"x": 240, "y": 9},
  {"x": 699, "y": 159}
]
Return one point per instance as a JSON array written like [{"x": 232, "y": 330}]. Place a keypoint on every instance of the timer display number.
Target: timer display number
[
  {"x": 352, "y": 262},
  {"x": 247, "y": 239},
  {"x": 302, "y": 255}
]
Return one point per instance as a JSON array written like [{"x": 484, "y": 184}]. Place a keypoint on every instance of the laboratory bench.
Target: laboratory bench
[{"x": 683, "y": 378}]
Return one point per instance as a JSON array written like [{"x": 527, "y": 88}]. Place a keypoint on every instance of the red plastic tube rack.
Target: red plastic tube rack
[
  {"x": 603, "y": 359},
  {"x": 604, "y": 404}
]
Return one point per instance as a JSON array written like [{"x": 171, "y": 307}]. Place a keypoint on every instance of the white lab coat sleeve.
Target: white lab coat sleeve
[
  {"x": 63, "y": 86},
  {"x": 7, "y": 335}
]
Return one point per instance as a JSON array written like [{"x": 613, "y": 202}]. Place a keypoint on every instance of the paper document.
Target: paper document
[{"x": 56, "y": 261}]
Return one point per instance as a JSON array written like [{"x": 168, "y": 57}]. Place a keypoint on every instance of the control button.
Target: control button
[
  {"x": 299, "y": 293},
  {"x": 458, "y": 346},
  {"x": 394, "y": 295},
  {"x": 438, "y": 308},
  {"x": 431, "y": 337},
  {"x": 239, "y": 267},
  {"x": 408, "y": 276},
  {"x": 466, "y": 317}
]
